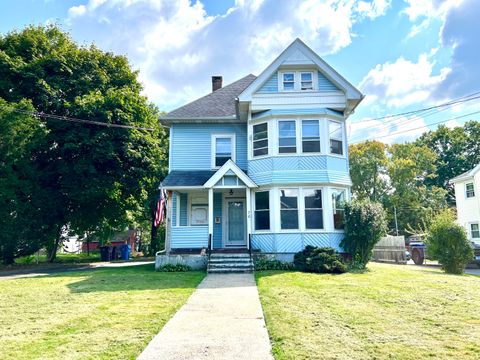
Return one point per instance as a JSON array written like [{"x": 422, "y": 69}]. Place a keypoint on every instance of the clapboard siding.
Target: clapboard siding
[
  {"x": 299, "y": 169},
  {"x": 192, "y": 145},
  {"x": 325, "y": 84},
  {"x": 183, "y": 209},
  {"x": 295, "y": 242},
  {"x": 217, "y": 228},
  {"x": 189, "y": 237},
  {"x": 174, "y": 209},
  {"x": 271, "y": 85}
]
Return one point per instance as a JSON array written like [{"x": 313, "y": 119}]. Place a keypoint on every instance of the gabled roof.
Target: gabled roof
[
  {"x": 220, "y": 104},
  {"x": 287, "y": 57},
  {"x": 466, "y": 175},
  {"x": 228, "y": 168}
]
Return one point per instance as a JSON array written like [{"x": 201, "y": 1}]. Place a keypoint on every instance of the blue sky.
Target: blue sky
[{"x": 402, "y": 54}]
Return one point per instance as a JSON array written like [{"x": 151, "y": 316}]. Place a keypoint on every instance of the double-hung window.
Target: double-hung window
[
  {"x": 475, "y": 231},
  {"x": 335, "y": 131},
  {"x": 260, "y": 139},
  {"x": 313, "y": 208},
  {"x": 469, "y": 190},
  {"x": 262, "y": 210},
  {"x": 338, "y": 203},
  {"x": 288, "y": 81},
  {"x": 289, "y": 208},
  {"x": 306, "y": 81},
  {"x": 310, "y": 136},
  {"x": 223, "y": 149},
  {"x": 287, "y": 139}
]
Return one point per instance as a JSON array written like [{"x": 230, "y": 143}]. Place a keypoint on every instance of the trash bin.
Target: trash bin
[
  {"x": 115, "y": 253},
  {"x": 125, "y": 250},
  {"x": 105, "y": 253}
]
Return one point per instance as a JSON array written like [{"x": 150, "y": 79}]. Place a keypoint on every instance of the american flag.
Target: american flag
[{"x": 160, "y": 211}]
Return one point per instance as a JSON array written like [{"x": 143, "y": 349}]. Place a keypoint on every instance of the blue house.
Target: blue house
[{"x": 262, "y": 163}]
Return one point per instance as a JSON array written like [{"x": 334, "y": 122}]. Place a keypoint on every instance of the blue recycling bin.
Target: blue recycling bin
[{"x": 125, "y": 251}]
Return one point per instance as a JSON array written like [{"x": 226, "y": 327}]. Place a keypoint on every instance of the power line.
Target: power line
[
  {"x": 75, "y": 120},
  {"x": 462, "y": 99},
  {"x": 420, "y": 127}
]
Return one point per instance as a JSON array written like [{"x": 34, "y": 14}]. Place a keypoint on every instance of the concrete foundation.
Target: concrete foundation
[
  {"x": 283, "y": 257},
  {"x": 196, "y": 262}
]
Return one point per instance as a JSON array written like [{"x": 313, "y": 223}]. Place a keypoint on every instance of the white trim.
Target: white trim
[
  {"x": 225, "y": 223},
  {"x": 470, "y": 230},
  {"x": 210, "y": 216},
  {"x": 351, "y": 92},
  {"x": 177, "y": 201},
  {"x": 213, "y": 151},
  {"x": 170, "y": 141},
  {"x": 297, "y": 80},
  {"x": 229, "y": 165},
  {"x": 329, "y": 137},
  {"x": 254, "y": 209}
]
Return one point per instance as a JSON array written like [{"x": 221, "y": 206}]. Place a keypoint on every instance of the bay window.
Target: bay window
[
  {"x": 335, "y": 131},
  {"x": 262, "y": 210},
  {"x": 288, "y": 209},
  {"x": 313, "y": 208},
  {"x": 287, "y": 138},
  {"x": 338, "y": 202},
  {"x": 260, "y": 139},
  {"x": 310, "y": 136}
]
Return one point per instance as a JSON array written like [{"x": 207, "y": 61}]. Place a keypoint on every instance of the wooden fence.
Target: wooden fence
[{"x": 390, "y": 249}]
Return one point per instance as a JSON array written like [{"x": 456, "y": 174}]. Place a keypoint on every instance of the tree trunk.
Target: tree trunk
[
  {"x": 53, "y": 254},
  {"x": 8, "y": 257}
]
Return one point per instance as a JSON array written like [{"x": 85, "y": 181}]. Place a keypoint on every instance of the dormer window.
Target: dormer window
[
  {"x": 289, "y": 81},
  {"x": 306, "y": 81}
]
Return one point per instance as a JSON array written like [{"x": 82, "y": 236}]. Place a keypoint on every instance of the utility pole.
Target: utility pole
[{"x": 396, "y": 223}]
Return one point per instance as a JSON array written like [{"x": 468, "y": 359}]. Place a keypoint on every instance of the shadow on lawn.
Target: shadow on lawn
[{"x": 133, "y": 278}]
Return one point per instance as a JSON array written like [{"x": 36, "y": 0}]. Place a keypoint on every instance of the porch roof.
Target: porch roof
[{"x": 187, "y": 178}]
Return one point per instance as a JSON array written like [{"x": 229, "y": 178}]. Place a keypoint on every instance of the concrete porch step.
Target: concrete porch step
[
  {"x": 230, "y": 265},
  {"x": 230, "y": 270},
  {"x": 230, "y": 256},
  {"x": 232, "y": 260}
]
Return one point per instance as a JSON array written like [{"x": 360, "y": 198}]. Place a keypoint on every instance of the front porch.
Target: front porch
[{"x": 209, "y": 214}]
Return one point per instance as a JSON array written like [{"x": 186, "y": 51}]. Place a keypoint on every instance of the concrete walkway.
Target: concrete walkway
[{"x": 222, "y": 319}]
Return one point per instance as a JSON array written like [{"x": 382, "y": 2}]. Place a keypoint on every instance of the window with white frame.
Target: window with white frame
[
  {"x": 287, "y": 137},
  {"x": 199, "y": 211},
  {"x": 306, "y": 81},
  {"x": 260, "y": 139},
  {"x": 469, "y": 190},
  {"x": 313, "y": 208},
  {"x": 335, "y": 131},
  {"x": 288, "y": 81},
  {"x": 289, "y": 209},
  {"x": 338, "y": 202},
  {"x": 223, "y": 149},
  {"x": 262, "y": 210},
  {"x": 475, "y": 231},
  {"x": 310, "y": 136}
]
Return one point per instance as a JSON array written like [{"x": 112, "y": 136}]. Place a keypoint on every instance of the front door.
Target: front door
[{"x": 236, "y": 225}]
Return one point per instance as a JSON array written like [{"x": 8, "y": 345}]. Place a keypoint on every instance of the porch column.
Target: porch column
[
  {"x": 249, "y": 215},
  {"x": 210, "y": 216}
]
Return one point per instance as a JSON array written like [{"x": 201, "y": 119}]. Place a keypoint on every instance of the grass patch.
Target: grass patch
[
  {"x": 100, "y": 314},
  {"x": 388, "y": 312}
]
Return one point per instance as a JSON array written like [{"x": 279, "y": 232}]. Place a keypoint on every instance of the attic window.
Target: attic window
[
  {"x": 306, "y": 81},
  {"x": 288, "y": 81}
]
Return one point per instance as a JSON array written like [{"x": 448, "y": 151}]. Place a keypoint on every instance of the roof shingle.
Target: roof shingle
[{"x": 220, "y": 103}]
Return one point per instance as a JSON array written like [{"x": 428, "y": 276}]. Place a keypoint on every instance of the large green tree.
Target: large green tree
[
  {"x": 91, "y": 176},
  {"x": 457, "y": 150},
  {"x": 368, "y": 165}
]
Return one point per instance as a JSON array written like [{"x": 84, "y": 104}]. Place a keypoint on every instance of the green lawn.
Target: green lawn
[
  {"x": 99, "y": 314},
  {"x": 390, "y": 312}
]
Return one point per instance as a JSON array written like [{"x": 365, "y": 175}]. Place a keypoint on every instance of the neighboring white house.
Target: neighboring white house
[{"x": 467, "y": 195}]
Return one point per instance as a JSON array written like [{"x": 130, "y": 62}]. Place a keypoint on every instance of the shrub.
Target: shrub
[
  {"x": 175, "y": 268},
  {"x": 264, "y": 263},
  {"x": 319, "y": 260},
  {"x": 447, "y": 242},
  {"x": 365, "y": 224}
]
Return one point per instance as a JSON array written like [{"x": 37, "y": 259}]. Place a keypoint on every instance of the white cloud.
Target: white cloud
[
  {"x": 177, "y": 46},
  {"x": 402, "y": 83}
]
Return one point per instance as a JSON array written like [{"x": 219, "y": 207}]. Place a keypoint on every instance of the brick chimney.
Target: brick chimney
[{"x": 216, "y": 83}]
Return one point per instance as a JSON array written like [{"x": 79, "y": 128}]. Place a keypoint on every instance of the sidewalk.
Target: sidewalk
[{"x": 222, "y": 319}]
